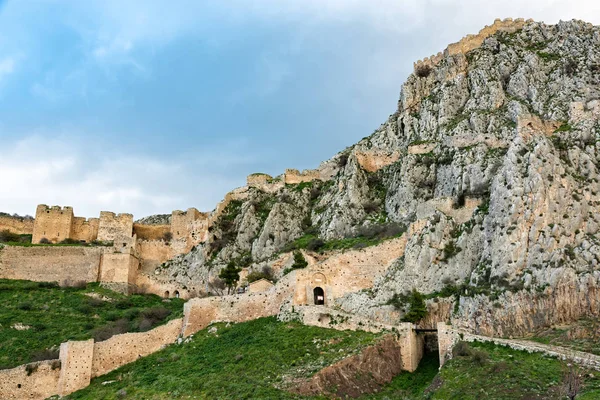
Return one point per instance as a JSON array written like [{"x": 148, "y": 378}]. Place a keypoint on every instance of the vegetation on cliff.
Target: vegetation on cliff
[{"x": 36, "y": 317}]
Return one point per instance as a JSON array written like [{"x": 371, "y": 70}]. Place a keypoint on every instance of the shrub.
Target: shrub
[
  {"x": 93, "y": 302},
  {"x": 299, "y": 263},
  {"x": 26, "y": 306},
  {"x": 461, "y": 349},
  {"x": 266, "y": 273},
  {"x": 423, "y": 70},
  {"x": 479, "y": 357},
  {"x": 417, "y": 309},
  {"x": 106, "y": 332},
  {"x": 343, "y": 160},
  {"x": 371, "y": 206},
  {"x": 44, "y": 241},
  {"x": 8, "y": 236},
  {"x": 156, "y": 314},
  {"x": 70, "y": 241},
  {"x": 167, "y": 237},
  {"x": 315, "y": 245},
  {"x": 46, "y": 354}
]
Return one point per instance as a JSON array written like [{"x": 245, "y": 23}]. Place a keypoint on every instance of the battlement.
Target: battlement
[
  {"x": 292, "y": 176},
  {"x": 473, "y": 41},
  {"x": 52, "y": 223},
  {"x": 115, "y": 227}
]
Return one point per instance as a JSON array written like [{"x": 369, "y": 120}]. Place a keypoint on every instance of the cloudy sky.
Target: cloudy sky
[{"x": 149, "y": 106}]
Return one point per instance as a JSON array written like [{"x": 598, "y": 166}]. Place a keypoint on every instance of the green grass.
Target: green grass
[
  {"x": 584, "y": 335},
  {"x": 56, "y": 315},
  {"x": 251, "y": 360},
  {"x": 505, "y": 374}
]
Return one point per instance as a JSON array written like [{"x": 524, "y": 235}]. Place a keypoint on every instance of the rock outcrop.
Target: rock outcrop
[{"x": 492, "y": 156}]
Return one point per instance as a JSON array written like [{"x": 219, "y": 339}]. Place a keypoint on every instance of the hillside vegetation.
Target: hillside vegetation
[
  {"x": 261, "y": 358},
  {"x": 36, "y": 317}
]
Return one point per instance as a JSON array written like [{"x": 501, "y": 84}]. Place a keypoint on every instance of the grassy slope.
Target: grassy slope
[
  {"x": 249, "y": 360},
  {"x": 56, "y": 315},
  {"x": 243, "y": 361},
  {"x": 584, "y": 335}
]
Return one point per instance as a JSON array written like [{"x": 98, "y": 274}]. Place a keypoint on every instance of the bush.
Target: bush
[
  {"x": 479, "y": 357},
  {"x": 417, "y": 309},
  {"x": 423, "y": 70},
  {"x": 266, "y": 273},
  {"x": 167, "y": 237},
  {"x": 106, "y": 332},
  {"x": 44, "y": 241},
  {"x": 8, "y": 236},
  {"x": 26, "y": 306},
  {"x": 315, "y": 244},
  {"x": 46, "y": 354},
  {"x": 461, "y": 349},
  {"x": 70, "y": 241},
  {"x": 371, "y": 206},
  {"x": 299, "y": 263},
  {"x": 343, "y": 160},
  {"x": 156, "y": 314}
]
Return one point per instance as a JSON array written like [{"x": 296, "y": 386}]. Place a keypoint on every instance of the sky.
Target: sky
[{"x": 150, "y": 106}]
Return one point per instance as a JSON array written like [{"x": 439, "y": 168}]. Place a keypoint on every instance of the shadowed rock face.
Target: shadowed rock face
[
  {"x": 354, "y": 376},
  {"x": 491, "y": 154}
]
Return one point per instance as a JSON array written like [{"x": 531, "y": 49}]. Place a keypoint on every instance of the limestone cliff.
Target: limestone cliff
[{"x": 491, "y": 158}]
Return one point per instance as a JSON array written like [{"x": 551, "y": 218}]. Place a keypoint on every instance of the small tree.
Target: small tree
[
  {"x": 417, "y": 309},
  {"x": 167, "y": 237},
  {"x": 230, "y": 275}
]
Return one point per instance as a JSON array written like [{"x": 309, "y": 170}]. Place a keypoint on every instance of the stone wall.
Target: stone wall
[
  {"x": 128, "y": 347},
  {"x": 153, "y": 253},
  {"x": 76, "y": 366},
  {"x": 118, "y": 271},
  {"x": 21, "y": 226},
  {"x": 117, "y": 228},
  {"x": 258, "y": 286},
  {"x": 53, "y": 223},
  {"x": 84, "y": 230},
  {"x": 293, "y": 176},
  {"x": 151, "y": 232},
  {"x": 346, "y": 272},
  {"x": 50, "y": 263},
  {"x": 18, "y": 384},
  {"x": 374, "y": 160},
  {"x": 82, "y": 360}
]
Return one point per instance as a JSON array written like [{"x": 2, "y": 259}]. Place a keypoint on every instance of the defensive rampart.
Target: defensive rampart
[{"x": 18, "y": 225}]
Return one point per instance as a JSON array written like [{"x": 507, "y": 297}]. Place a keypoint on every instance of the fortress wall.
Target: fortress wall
[
  {"x": 188, "y": 228},
  {"x": 53, "y": 223},
  {"x": 17, "y": 384},
  {"x": 347, "y": 272},
  {"x": 119, "y": 270},
  {"x": 115, "y": 228},
  {"x": 76, "y": 365},
  {"x": 153, "y": 253},
  {"x": 293, "y": 176},
  {"x": 264, "y": 182},
  {"x": 84, "y": 230},
  {"x": 21, "y": 226},
  {"x": 199, "y": 313},
  {"x": 147, "y": 284},
  {"x": 50, "y": 263},
  {"x": 375, "y": 160},
  {"x": 151, "y": 232},
  {"x": 128, "y": 347}
]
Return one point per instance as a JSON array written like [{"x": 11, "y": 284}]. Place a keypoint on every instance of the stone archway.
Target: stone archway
[
  {"x": 319, "y": 295},
  {"x": 177, "y": 294},
  {"x": 167, "y": 294}
]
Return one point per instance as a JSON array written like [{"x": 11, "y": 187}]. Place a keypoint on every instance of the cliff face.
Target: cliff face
[{"x": 491, "y": 158}]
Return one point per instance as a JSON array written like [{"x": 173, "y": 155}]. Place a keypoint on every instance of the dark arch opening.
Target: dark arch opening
[
  {"x": 177, "y": 294},
  {"x": 319, "y": 296},
  {"x": 167, "y": 294}
]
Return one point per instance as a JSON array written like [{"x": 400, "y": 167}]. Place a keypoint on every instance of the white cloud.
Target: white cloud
[{"x": 61, "y": 171}]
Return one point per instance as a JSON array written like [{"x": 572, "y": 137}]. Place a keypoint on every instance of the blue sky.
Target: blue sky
[{"x": 149, "y": 106}]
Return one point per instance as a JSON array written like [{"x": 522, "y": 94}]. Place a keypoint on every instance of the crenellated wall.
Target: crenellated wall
[
  {"x": 52, "y": 223},
  {"x": 117, "y": 228},
  {"x": 84, "y": 230}
]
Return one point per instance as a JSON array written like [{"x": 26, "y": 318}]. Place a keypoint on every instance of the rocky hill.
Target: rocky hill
[{"x": 491, "y": 159}]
